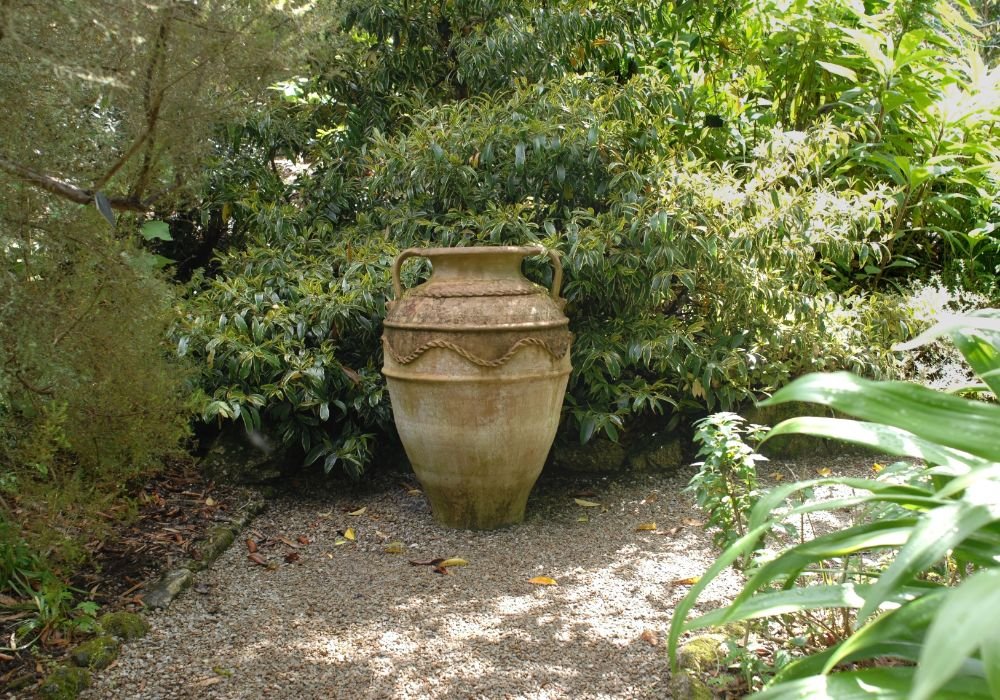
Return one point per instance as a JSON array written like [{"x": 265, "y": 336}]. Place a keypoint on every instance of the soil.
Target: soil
[{"x": 176, "y": 511}]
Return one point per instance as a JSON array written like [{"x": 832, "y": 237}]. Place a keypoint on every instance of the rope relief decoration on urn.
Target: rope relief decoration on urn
[{"x": 477, "y": 359}]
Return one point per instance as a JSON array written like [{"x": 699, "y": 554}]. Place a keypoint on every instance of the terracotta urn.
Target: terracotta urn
[{"x": 476, "y": 360}]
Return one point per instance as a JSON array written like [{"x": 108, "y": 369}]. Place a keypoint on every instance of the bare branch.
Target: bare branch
[{"x": 66, "y": 190}]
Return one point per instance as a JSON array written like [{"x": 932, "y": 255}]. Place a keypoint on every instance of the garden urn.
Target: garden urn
[{"x": 476, "y": 362}]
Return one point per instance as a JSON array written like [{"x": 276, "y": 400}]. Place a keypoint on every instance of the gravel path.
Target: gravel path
[{"x": 347, "y": 619}]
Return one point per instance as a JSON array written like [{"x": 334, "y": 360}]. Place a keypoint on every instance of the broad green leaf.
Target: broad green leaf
[
  {"x": 884, "y": 438},
  {"x": 892, "y": 683},
  {"x": 985, "y": 320},
  {"x": 158, "y": 230},
  {"x": 836, "y": 69},
  {"x": 970, "y": 426},
  {"x": 935, "y": 533},
  {"x": 966, "y": 619}
]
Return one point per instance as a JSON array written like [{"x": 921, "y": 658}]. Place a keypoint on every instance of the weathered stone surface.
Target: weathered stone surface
[
  {"x": 96, "y": 653},
  {"x": 697, "y": 658},
  {"x": 64, "y": 683},
  {"x": 217, "y": 542},
  {"x": 167, "y": 588},
  {"x": 124, "y": 625},
  {"x": 795, "y": 446},
  {"x": 596, "y": 457},
  {"x": 666, "y": 456},
  {"x": 238, "y": 457}
]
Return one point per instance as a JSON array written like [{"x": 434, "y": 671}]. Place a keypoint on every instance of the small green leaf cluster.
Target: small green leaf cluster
[
  {"x": 929, "y": 607},
  {"x": 726, "y": 484}
]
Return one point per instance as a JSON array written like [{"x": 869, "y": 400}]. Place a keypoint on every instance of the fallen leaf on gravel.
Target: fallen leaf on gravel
[
  {"x": 583, "y": 519},
  {"x": 210, "y": 501},
  {"x": 211, "y": 680},
  {"x": 689, "y": 581},
  {"x": 649, "y": 636},
  {"x": 394, "y": 548},
  {"x": 415, "y": 492},
  {"x": 877, "y": 467},
  {"x": 453, "y": 562},
  {"x": 691, "y": 522},
  {"x": 586, "y": 504},
  {"x": 429, "y": 562},
  {"x": 340, "y": 542},
  {"x": 441, "y": 570},
  {"x": 651, "y": 498},
  {"x": 349, "y": 534},
  {"x": 672, "y": 531},
  {"x": 287, "y": 542},
  {"x": 645, "y": 527},
  {"x": 292, "y": 557},
  {"x": 777, "y": 476},
  {"x": 257, "y": 559},
  {"x": 359, "y": 511},
  {"x": 327, "y": 514},
  {"x": 6, "y": 657},
  {"x": 222, "y": 671},
  {"x": 302, "y": 539},
  {"x": 543, "y": 581},
  {"x": 824, "y": 471},
  {"x": 251, "y": 546}
]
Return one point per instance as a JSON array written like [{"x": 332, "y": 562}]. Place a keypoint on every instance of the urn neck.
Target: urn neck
[{"x": 464, "y": 264}]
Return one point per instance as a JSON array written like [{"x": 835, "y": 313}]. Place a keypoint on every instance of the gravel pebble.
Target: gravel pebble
[{"x": 350, "y": 620}]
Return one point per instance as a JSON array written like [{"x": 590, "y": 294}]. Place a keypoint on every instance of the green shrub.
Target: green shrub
[
  {"x": 690, "y": 286},
  {"x": 928, "y": 607},
  {"x": 92, "y": 396}
]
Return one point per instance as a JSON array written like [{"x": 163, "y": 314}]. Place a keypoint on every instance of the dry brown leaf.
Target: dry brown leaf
[
  {"x": 257, "y": 559},
  {"x": 645, "y": 527},
  {"x": 6, "y": 657},
  {"x": 394, "y": 548},
  {"x": 359, "y": 511},
  {"x": 349, "y": 534},
  {"x": 208, "y": 681},
  {"x": 651, "y": 498},
  {"x": 649, "y": 636},
  {"x": 302, "y": 539},
  {"x": 429, "y": 562},
  {"x": 692, "y": 522},
  {"x": 441, "y": 570},
  {"x": 287, "y": 542},
  {"x": 292, "y": 557},
  {"x": 251, "y": 546},
  {"x": 543, "y": 581},
  {"x": 586, "y": 504},
  {"x": 689, "y": 581},
  {"x": 453, "y": 562}
]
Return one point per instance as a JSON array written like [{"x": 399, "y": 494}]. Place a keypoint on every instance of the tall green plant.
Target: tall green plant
[{"x": 928, "y": 606}]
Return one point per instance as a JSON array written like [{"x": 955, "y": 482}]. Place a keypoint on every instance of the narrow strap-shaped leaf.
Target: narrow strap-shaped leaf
[
  {"x": 984, "y": 319},
  {"x": 769, "y": 604},
  {"x": 966, "y": 619},
  {"x": 905, "y": 623},
  {"x": 812, "y": 664},
  {"x": 892, "y": 683},
  {"x": 934, "y": 534},
  {"x": 791, "y": 562},
  {"x": 894, "y": 441},
  {"x": 969, "y": 426},
  {"x": 982, "y": 351}
]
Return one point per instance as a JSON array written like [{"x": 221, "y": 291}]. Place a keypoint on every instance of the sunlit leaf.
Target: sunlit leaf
[
  {"x": 543, "y": 581},
  {"x": 349, "y": 534},
  {"x": 455, "y": 561},
  {"x": 644, "y": 527},
  {"x": 359, "y": 511}
]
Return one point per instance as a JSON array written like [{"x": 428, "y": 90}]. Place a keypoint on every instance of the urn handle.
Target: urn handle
[{"x": 397, "y": 265}]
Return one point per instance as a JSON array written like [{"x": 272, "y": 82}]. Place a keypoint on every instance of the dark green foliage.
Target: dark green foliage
[{"x": 690, "y": 285}]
